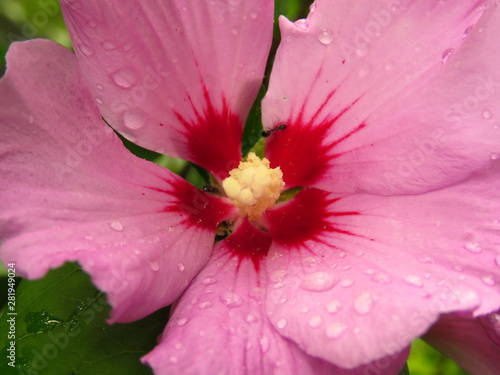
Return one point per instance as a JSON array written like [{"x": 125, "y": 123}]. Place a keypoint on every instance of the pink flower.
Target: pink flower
[{"x": 391, "y": 115}]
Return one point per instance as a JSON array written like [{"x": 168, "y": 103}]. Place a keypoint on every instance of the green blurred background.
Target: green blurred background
[{"x": 28, "y": 19}]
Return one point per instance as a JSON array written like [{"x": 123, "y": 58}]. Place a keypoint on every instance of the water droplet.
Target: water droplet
[
  {"x": 302, "y": 24},
  {"x": 473, "y": 247},
  {"x": 254, "y": 14},
  {"x": 99, "y": 86},
  {"x": 487, "y": 114},
  {"x": 231, "y": 299},
  {"x": 181, "y": 267},
  {"x": 494, "y": 156},
  {"x": 134, "y": 119},
  {"x": 116, "y": 225},
  {"x": 325, "y": 36},
  {"x": 304, "y": 310},
  {"x": 182, "y": 321},
  {"x": 278, "y": 285},
  {"x": 347, "y": 283},
  {"x": 264, "y": 343},
  {"x": 281, "y": 323},
  {"x": 389, "y": 66},
  {"x": 154, "y": 265},
  {"x": 173, "y": 359},
  {"x": 488, "y": 280},
  {"x": 447, "y": 54},
  {"x": 369, "y": 271},
  {"x": 283, "y": 300},
  {"x": 315, "y": 321},
  {"x": 342, "y": 254},
  {"x": 209, "y": 280},
  {"x": 88, "y": 238},
  {"x": 364, "y": 303},
  {"x": 333, "y": 307},
  {"x": 425, "y": 259},
  {"x": 335, "y": 330},
  {"x": 110, "y": 46},
  {"x": 318, "y": 282},
  {"x": 205, "y": 305},
  {"x": 414, "y": 281},
  {"x": 86, "y": 50},
  {"x": 99, "y": 100},
  {"x": 251, "y": 319},
  {"x": 312, "y": 7},
  {"x": 467, "y": 31},
  {"x": 124, "y": 78}
]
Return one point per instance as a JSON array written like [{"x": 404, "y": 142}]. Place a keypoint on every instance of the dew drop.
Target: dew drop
[
  {"x": 231, "y": 299},
  {"x": 304, "y": 310},
  {"x": 363, "y": 304},
  {"x": 488, "y": 280},
  {"x": 487, "y": 114},
  {"x": 447, "y": 54},
  {"x": 283, "y": 300},
  {"x": 134, "y": 119},
  {"x": 264, "y": 343},
  {"x": 302, "y": 24},
  {"x": 281, "y": 323},
  {"x": 473, "y": 247},
  {"x": 205, "y": 305},
  {"x": 347, "y": 283},
  {"x": 425, "y": 259},
  {"x": 315, "y": 321},
  {"x": 312, "y": 7},
  {"x": 278, "y": 285},
  {"x": 318, "y": 282},
  {"x": 181, "y": 267},
  {"x": 342, "y": 254},
  {"x": 251, "y": 318},
  {"x": 497, "y": 260},
  {"x": 99, "y": 100},
  {"x": 110, "y": 46},
  {"x": 116, "y": 225},
  {"x": 209, "y": 280},
  {"x": 414, "y": 281},
  {"x": 254, "y": 14},
  {"x": 467, "y": 31},
  {"x": 99, "y": 86},
  {"x": 325, "y": 36},
  {"x": 124, "y": 78},
  {"x": 335, "y": 330},
  {"x": 154, "y": 265},
  {"x": 333, "y": 307},
  {"x": 182, "y": 321},
  {"x": 173, "y": 359},
  {"x": 389, "y": 66},
  {"x": 86, "y": 50},
  {"x": 494, "y": 156}
]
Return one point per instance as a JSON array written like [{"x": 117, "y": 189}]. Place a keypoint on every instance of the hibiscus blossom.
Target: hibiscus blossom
[{"x": 382, "y": 115}]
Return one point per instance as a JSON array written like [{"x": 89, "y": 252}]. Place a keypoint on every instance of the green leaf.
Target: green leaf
[{"x": 61, "y": 329}]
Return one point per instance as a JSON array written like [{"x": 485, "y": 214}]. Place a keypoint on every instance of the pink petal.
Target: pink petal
[
  {"x": 473, "y": 343},
  {"x": 390, "y": 97},
  {"x": 70, "y": 191},
  {"x": 177, "y": 77},
  {"x": 363, "y": 275},
  {"x": 219, "y": 326}
]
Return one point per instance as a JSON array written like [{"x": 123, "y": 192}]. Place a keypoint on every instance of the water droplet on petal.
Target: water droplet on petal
[
  {"x": 99, "y": 100},
  {"x": 347, "y": 283},
  {"x": 209, "y": 280},
  {"x": 487, "y": 114},
  {"x": 302, "y": 24},
  {"x": 99, "y": 86},
  {"x": 182, "y": 321},
  {"x": 251, "y": 319},
  {"x": 304, "y": 310},
  {"x": 364, "y": 303},
  {"x": 154, "y": 265},
  {"x": 333, "y": 307},
  {"x": 205, "y": 305},
  {"x": 264, "y": 343},
  {"x": 181, "y": 267},
  {"x": 467, "y": 31},
  {"x": 254, "y": 14},
  {"x": 447, "y": 54},
  {"x": 473, "y": 247},
  {"x": 488, "y": 280},
  {"x": 110, "y": 46},
  {"x": 134, "y": 119},
  {"x": 318, "y": 282},
  {"x": 312, "y": 7},
  {"x": 281, "y": 323},
  {"x": 414, "y": 281},
  {"x": 86, "y": 50},
  {"x": 425, "y": 259},
  {"x": 124, "y": 78},
  {"x": 497, "y": 260},
  {"x": 173, "y": 359},
  {"x": 335, "y": 330},
  {"x": 325, "y": 36},
  {"x": 116, "y": 225},
  {"x": 231, "y": 299},
  {"x": 494, "y": 156},
  {"x": 315, "y": 321}
]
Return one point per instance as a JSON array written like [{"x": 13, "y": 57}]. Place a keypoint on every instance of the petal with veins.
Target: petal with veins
[{"x": 70, "y": 191}]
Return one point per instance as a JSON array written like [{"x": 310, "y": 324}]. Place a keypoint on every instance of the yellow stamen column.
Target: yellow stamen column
[{"x": 254, "y": 187}]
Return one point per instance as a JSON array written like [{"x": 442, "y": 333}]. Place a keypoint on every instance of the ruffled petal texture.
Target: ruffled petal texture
[
  {"x": 372, "y": 273},
  {"x": 221, "y": 320},
  {"x": 473, "y": 343},
  {"x": 177, "y": 77},
  {"x": 70, "y": 191},
  {"x": 387, "y": 97}
]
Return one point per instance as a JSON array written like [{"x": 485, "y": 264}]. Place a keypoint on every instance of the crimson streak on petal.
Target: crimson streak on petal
[
  {"x": 214, "y": 137},
  {"x": 307, "y": 217}
]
